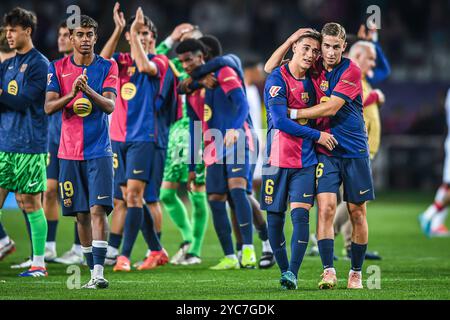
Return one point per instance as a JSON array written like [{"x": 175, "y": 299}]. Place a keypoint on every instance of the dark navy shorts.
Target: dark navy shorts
[
  {"x": 283, "y": 185},
  {"x": 53, "y": 161},
  {"x": 84, "y": 184},
  {"x": 354, "y": 173},
  {"x": 152, "y": 190}
]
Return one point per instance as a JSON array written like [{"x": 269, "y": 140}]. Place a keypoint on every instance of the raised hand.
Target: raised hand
[
  {"x": 181, "y": 29},
  {"x": 297, "y": 34},
  {"x": 138, "y": 22},
  {"x": 119, "y": 19}
]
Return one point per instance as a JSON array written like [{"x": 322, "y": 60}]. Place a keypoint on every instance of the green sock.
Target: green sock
[
  {"x": 177, "y": 212},
  {"x": 38, "y": 224},
  {"x": 199, "y": 220}
]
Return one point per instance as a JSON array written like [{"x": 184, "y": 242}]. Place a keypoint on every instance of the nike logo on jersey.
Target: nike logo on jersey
[
  {"x": 102, "y": 197},
  {"x": 33, "y": 184},
  {"x": 307, "y": 195},
  {"x": 363, "y": 192},
  {"x": 9, "y": 68},
  {"x": 243, "y": 225},
  {"x": 236, "y": 169},
  {"x": 137, "y": 171},
  {"x": 300, "y": 241},
  {"x": 65, "y": 75},
  {"x": 293, "y": 89},
  {"x": 282, "y": 244}
]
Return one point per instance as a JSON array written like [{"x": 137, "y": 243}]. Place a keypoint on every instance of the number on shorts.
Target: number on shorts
[
  {"x": 269, "y": 187},
  {"x": 66, "y": 189},
  {"x": 115, "y": 161},
  {"x": 319, "y": 170}
]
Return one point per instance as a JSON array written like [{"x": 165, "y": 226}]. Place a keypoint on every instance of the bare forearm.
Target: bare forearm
[
  {"x": 104, "y": 103},
  {"x": 277, "y": 57},
  {"x": 52, "y": 106},
  {"x": 140, "y": 57},
  {"x": 110, "y": 46}
]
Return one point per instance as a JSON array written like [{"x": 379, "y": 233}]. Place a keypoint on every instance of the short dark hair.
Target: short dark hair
[
  {"x": 314, "y": 34},
  {"x": 4, "y": 46},
  {"x": 334, "y": 29},
  {"x": 147, "y": 22},
  {"x": 212, "y": 44},
  {"x": 85, "y": 22},
  {"x": 190, "y": 45},
  {"x": 21, "y": 17},
  {"x": 62, "y": 25}
]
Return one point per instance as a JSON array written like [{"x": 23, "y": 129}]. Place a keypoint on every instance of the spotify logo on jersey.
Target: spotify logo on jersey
[
  {"x": 13, "y": 88},
  {"x": 207, "y": 113},
  {"x": 82, "y": 107},
  {"x": 128, "y": 91}
]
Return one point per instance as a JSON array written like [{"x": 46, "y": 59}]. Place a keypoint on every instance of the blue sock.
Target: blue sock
[
  {"x": 77, "y": 237},
  {"x": 326, "y": 251},
  {"x": 222, "y": 225},
  {"x": 148, "y": 231},
  {"x": 115, "y": 240},
  {"x": 238, "y": 246},
  {"x": 300, "y": 237},
  {"x": 51, "y": 234},
  {"x": 244, "y": 214},
  {"x": 2, "y": 232},
  {"x": 358, "y": 255},
  {"x": 133, "y": 222},
  {"x": 87, "y": 251},
  {"x": 159, "y": 235},
  {"x": 28, "y": 230},
  {"x": 262, "y": 232},
  {"x": 99, "y": 249},
  {"x": 275, "y": 223}
]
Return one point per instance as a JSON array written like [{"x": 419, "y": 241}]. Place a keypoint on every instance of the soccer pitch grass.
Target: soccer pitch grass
[{"x": 413, "y": 267}]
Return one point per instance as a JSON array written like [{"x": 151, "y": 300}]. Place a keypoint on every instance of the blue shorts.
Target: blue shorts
[
  {"x": 217, "y": 174},
  {"x": 354, "y": 173},
  {"x": 53, "y": 161},
  {"x": 287, "y": 185},
  {"x": 118, "y": 165},
  {"x": 86, "y": 183},
  {"x": 151, "y": 193}
]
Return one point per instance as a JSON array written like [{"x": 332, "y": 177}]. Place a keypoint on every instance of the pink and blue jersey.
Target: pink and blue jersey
[
  {"x": 141, "y": 113},
  {"x": 347, "y": 126},
  {"x": 290, "y": 144},
  {"x": 226, "y": 107},
  {"x": 84, "y": 128}
]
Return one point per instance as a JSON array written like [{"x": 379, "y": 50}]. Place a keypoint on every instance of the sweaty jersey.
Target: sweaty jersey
[
  {"x": 85, "y": 128},
  {"x": 139, "y": 115},
  {"x": 283, "y": 90},
  {"x": 347, "y": 125},
  {"x": 23, "y": 122},
  {"x": 226, "y": 107}
]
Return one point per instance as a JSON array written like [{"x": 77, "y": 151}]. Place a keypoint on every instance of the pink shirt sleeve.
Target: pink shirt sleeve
[
  {"x": 111, "y": 80},
  {"x": 228, "y": 79},
  {"x": 349, "y": 85}
]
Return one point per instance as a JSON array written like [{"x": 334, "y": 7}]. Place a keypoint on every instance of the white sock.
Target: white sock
[
  {"x": 77, "y": 249},
  {"x": 266, "y": 246},
  {"x": 440, "y": 194},
  {"x": 148, "y": 253},
  {"x": 4, "y": 241},
  {"x": 439, "y": 219},
  {"x": 51, "y": 245},
  {"x": 353, "y": 271},
  {"x": 112, "y": 252},
  {"x": 98, "y": 271},
  {"x": 232, "y": 256},
  {"x": 245, "y": 246},
  {"x": 38, "y": 261},
  {"x": 430, "y": 212},
  {"x": 330, "y": 269}
]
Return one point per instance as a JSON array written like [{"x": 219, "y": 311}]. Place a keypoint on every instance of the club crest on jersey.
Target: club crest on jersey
[
  {"x": 13, "y": 88},
  {"x": 268, "y": 199},
  {"x": 305, "y": 97},
  {"x": 324, "y": 85},
  {"x": 131, "y": 71},
  {"x": 23, "y": 67},
  {"x": 128, "y": 91},
  {"x": 207, "y": 113},
  {"x": 273, "y": 91},
  {"x": 82, "y": 107},
  {"x": 49, "y": 78}
]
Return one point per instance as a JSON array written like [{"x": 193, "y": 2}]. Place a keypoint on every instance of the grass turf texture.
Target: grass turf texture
[{"x": 413, "y": 267}]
